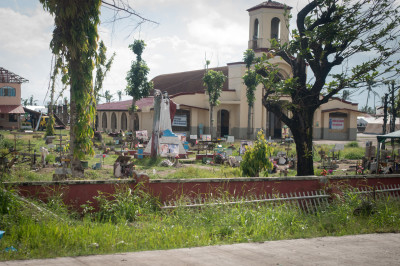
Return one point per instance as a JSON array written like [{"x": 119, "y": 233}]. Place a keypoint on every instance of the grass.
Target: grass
[{"x": 132, "y": 222}]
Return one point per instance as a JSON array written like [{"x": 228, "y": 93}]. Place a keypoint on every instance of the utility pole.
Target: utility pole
[
  {"x": 385, "y": 104},
  {"x": 393, "y": 121}
]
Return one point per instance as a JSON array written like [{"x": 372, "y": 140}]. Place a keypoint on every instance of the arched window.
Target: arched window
[
  {"x": 256, "y": 29},
  {"x": 275, "y": 29},
  {"x": 136, "y": 123},
  {"x": 124, "y": 121},
  {"x": 113, "y": 122},
  {"x": 104, "y": 121},
  {"x": 7, "y": 91}
]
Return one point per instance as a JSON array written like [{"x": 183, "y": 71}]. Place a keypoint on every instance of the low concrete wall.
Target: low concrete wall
[{"x": 76, "y": 193}]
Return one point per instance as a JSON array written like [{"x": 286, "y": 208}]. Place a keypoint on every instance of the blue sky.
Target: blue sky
[{"x": 187, "y": 32}]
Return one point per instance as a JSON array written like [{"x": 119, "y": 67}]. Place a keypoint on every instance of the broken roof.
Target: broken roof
[{"x": 9, "y": 77}]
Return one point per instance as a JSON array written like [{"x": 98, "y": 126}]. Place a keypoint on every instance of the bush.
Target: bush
[
  {"x": 353, "y": 144},
  {"x": 256, "y": 158},
  {"x": 50, "y": 158},
  {"x": 353, "y": 153}
]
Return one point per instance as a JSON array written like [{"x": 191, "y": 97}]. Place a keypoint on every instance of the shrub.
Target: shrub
[
  {"x": 353, "y": 153},
  {"x": 50, "y": 158},
  {"x": 353, "y": 144},
  {"x": 256, "y": 158}
]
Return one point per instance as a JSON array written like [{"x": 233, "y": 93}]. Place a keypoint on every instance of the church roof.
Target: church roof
[
  {"x": 269, "y": 4},
  {"x": 185, "y": 82},
  {"x": 124, "y": 105}
]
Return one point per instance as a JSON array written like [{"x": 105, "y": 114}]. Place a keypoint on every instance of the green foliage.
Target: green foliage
[
  {"x": 50, "y": 126},
  {"x": 355, "y": 153},
  {"x": 214, "y": 81},
  {"x": 75, "y": 39},
  {"x": 50, "y": 158},
  {"x": 126, "y": 205},
  {"x": 137, "y": 84},
  {"x": 328, "y": 34},
  {"x": 353, "y": 144},
  {"x": 103, "y": 66},
  {"x": 256, "y": 158},
  {"x": 36, "y": 235},
  {"x": 249, "y": 57}
]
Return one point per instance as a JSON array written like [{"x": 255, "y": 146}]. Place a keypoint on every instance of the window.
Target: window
[
  {"x": 12, "y": 118},
  {"x": 7, "y": 91},
  {"x": 275, "y": 28},
  {"x": 256, "y": 29}
]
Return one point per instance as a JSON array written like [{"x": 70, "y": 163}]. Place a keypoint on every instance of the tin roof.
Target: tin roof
[{"x": 11, "y": 109}]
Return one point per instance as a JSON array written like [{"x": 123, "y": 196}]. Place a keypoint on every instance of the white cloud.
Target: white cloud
[{"x": 25, "y": 35}]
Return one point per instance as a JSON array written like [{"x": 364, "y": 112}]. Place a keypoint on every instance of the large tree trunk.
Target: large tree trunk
[
  {"x": 303, "y": 136},
  {"x": 76, "y": 166}
]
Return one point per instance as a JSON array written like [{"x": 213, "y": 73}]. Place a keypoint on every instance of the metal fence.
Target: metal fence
[{"x": 307, "y": 201}]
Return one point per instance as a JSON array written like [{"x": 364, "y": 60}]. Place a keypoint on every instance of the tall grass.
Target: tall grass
[{"x": 130, "y": 221}]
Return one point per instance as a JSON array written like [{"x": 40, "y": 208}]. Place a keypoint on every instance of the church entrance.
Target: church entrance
[
  {"x": 274, "y": 126},
  {"x": 223, "y": 123}
]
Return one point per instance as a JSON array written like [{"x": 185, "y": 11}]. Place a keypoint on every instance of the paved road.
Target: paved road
[{"x": 371, "y": 249}]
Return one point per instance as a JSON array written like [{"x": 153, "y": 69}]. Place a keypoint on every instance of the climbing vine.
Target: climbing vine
[{"x": 75, "y": 38}]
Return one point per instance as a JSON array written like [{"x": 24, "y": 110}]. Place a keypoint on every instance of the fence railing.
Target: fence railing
[{"x": 307, "y": 201}]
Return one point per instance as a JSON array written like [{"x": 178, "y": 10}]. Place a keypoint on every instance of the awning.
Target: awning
[
  {"x": 11, "y": 109},
  {"x": 392, "y": 135}
]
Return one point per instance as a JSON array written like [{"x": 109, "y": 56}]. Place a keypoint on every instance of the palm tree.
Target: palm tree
[
  {"x": 371, "y": 83},
  {"x": 346, "y": 95},
  {"x": 119, "y": 93},
  {"x": 108, "y": 96}
]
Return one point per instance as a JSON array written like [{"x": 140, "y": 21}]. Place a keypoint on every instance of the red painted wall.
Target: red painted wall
[{"x": 76, "y": 193}]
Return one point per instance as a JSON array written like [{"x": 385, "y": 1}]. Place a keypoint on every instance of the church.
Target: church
[{"x": 335, "y": 120}]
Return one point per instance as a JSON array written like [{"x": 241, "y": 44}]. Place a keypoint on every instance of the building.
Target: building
[
  {"x": 10, "y": 99},
  {"x": 336, "y": 120}
]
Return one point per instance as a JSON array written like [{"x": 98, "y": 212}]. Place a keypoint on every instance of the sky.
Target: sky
[{"x": 187, "y": 32}]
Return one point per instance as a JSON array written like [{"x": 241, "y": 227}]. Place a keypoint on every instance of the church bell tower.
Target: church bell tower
[{"x": 268, "y": 20}]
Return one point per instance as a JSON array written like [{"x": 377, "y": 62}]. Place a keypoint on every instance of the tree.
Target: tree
[
  {"x": 108, "y": 96},
  {"x": 119, "y": 93},
  {"x": 371, "y": 83},
  {"x": 213, "y": 81},
  {"x": 346, "y": 95},
  {"x": 251, "y": 80},
  {"x": 75, "y": 39},
  {"x": 103, "y": 66},
  {"x": 138, "y": 86},
  {"x": 329, "y": 33},
  {"x": 256, "y": 157},
  {"x": 50, "y": 123}
]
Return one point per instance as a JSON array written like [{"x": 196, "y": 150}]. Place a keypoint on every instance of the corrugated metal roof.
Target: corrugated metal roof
[
  {"x": 392, "y": 135},
  {"x": 11, "y": 109}
]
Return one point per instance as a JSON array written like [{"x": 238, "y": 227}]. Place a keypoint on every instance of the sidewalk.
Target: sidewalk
[{"x": 372, "y": 249}]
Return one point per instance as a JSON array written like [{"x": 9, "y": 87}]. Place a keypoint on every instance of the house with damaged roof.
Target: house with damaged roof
[
  {"x": 10, "y": 99},
  {"x": 336, "y": 120}
]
